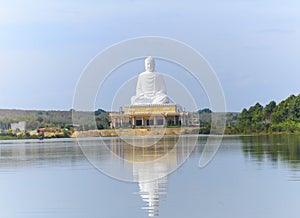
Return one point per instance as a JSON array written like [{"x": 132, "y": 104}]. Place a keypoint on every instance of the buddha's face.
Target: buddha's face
[{"x": 149, "y": 65}]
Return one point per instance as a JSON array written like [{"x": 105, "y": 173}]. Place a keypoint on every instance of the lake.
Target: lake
[{"x": 250, "y": 176}]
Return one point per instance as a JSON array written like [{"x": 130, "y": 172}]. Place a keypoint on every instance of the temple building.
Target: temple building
[{"x": 151, "y": 106}]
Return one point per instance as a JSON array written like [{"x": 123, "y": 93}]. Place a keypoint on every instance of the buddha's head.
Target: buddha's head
[{"x": 149, "y": 64}]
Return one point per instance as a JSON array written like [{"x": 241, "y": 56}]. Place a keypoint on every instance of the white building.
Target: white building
[{"x": 20, "y": 126}]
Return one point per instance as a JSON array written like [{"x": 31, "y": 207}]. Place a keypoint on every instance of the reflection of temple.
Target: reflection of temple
[
  {"x": 151, "y": 164},
  {"x": 148, "y": 160},
  {"x": 151, "y": 193}
]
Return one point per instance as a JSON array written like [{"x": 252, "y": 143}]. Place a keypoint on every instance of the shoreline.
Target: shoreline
[{"x": 136, "y": 132}]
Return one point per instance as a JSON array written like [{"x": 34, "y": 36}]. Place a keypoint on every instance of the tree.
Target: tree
[
  {"x": 99, "y": 111},
  {"x": 283, "y": 110},
  {"x": 268, "y": 110},
  {"x": 294, "y": 114},
  {"x": 244, "y": 121},
  {"x": 102, "y": 121},
  {"x": 205, "y": 110}
]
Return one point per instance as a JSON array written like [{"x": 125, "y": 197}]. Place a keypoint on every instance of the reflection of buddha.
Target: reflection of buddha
[
  {"x": 151, "y": 88},
  {"x": 147, "y": 165},
  {"x": 151, "y": 192}
]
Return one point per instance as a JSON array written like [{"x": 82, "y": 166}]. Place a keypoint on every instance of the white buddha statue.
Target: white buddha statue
[{"x": 151, "y": 88}]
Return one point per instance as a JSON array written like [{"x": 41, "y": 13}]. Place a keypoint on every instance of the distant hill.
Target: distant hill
[
  {"x": 205, "y": 121},
  {"x": 41, "y": 118},
  {"x": 35, "y": 118},
  {"x": 205, "y": 117}
]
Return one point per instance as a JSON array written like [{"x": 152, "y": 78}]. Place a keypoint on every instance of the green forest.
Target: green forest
[{"x": 271, "y": 118}]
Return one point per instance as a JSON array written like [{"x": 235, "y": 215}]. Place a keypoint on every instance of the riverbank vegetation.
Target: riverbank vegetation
[
  {"x": 271, "y": 118},
  {"x": 54, "y": 124},
  {"x": 258, "y": 119}
]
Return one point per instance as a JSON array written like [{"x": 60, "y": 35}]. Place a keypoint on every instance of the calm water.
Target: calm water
[{"x": 251, "y": 176}]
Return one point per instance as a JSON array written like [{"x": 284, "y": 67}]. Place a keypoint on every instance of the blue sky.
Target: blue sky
[{"x": 253, "y": 46}]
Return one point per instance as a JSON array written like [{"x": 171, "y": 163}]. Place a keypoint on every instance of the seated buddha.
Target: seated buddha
[{"x": 151, "y": 88}]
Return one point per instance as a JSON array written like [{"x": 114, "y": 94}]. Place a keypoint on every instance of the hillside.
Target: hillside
[
  {"x": 34, "y": 118},
  {"x": 40, "y": 118},
  {"x": 205, "y": 121},
  {"x": 282, "y": 117}
]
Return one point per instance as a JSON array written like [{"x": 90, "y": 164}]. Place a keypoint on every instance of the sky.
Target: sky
[{"x": 253, "y": 46}]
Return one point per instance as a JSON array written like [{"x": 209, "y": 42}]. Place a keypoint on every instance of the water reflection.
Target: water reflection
[
  {"x": 35, "y": 153},
  {"x": 34, "y": 190},
  {"x": 150, "y": 166},
  {"x": 145, "y": 160},
  {"x": 118, "y": 158},
  {"x": 146, "y": 163},
  {"x": 275, "y": 149}
]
